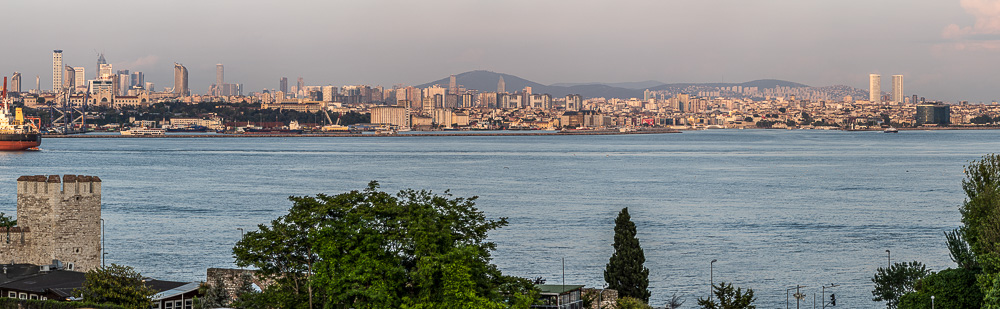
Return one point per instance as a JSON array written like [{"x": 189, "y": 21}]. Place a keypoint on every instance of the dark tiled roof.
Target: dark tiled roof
[{"x": 41, "y": 282}]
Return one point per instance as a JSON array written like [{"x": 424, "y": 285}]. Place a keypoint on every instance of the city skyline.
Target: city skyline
[{"x": 945, "y": 50}]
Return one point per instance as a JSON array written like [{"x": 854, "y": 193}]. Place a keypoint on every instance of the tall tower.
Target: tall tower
[
  {"x": 100, "y": 61},
  {"x": 453, "y": 85},
  {"x": 70, "y": 79},
  {"x": 57, "y": 70},
  {"x": 897, "y": 89},
  {"x": 181, "y": 80},
  {"x": 874, "y": 88},
  {"x": 218, "y": 75},
  {"x": 15, "y": 82},
  {"x": 283, "y": 86},
  {"x": 81, "y": 79},
  {"x": 501, "y": 87},
  {"x": 301, "y": 85}
]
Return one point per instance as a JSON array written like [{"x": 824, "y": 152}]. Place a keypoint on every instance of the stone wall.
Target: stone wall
[
  {"x": 608, "y": 298},
  {"x": 58, "y": 219},
  {"x": 231, "y": 279}
]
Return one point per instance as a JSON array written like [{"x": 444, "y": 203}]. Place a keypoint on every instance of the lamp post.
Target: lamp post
[
  {"x": 102, "y": 243},
  {"x": 796, "y": 288},
  {"x": 711, "y": 278},
  {"x": 823, "y": 296},
  {"x": 932, "y": 301},
  {"x": 242, "y": 234},
  {"x": 104, "y": 257},
  {"x": 888, "y": 256}
]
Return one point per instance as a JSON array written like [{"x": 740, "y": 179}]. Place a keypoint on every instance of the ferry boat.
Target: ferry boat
[
  {"x": 144, "y": 131},
  {"x": 890, "y": 130},
  {"x": 17, "y": 132}
]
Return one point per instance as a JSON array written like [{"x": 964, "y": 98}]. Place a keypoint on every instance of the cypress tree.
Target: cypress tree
[{"x": 625, "y": 271}]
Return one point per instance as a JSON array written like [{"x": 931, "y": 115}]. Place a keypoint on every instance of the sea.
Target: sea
[{"x": 776, "y": 209}]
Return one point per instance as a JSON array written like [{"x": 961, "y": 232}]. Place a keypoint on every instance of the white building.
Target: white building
[
  {"x": 392, "y": 115},
  {"x": 897, "y": 89},
  {"x": 81, "y": 79},
  {"x": 57, "y": 70},
  {"x": 874, "y": 88}
]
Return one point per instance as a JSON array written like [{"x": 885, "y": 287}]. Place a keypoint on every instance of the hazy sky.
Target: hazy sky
[{"x": 948, "y": 49}]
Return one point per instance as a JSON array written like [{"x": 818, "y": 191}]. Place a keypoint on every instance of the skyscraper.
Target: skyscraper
[
  {"x": 100, "y": 61},
  {"x": 874, "y": 88},
  {"x": 501, "y": 87},
  {"x": 283, "y": 86},
  {"x": 138, "y": 79},
  {"x": 453, "y": 85},
  {"x": 105, "y": 71},
  {"x": 69, "y": 81},
  {"x": 301, "y": 89},
  {"x": 218, "y": 75},
  {"x": 81, "y": 79},
  {"x": 15, "y": 82},
  {"x": 57, "y": 70},
  {"x": 181, "y": 80},
  {"x": 897, "y": 89}
]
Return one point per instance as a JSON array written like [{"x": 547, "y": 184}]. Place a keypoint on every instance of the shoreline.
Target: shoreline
[{"x": 355, "y": 135}]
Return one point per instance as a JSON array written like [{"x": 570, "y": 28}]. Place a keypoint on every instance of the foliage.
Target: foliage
[
  {"x": 951, "y": 288},
  {"x": 7, "y": 221},
  {"x": 767, "y": 124},
  {"x": 371, "y": 249},
  {"x": 897, "y": 280},
  {"x": 675, "y": 302},
  {"x": 981, "y": 219},
  {"x": 625, "y": 271},
  {"x": 14, "y": 303},
  {"x": 116, "y": 284},
  {"x": 726, "y": 297},
  {"x": 632, "y": 303},
  {"x": 982, "y": 119},
  {"x": 958, "y": 248},
  {"x": 214, "y": 295}
]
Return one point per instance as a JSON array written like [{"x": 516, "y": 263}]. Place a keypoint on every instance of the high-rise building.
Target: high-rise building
[
  {"x": 897, "y": 89},
  {"x": 15, "y": 82},
  {"x": 501, "y": 87},
  {"x": 219, "y": 74},
  {"x": 181, "y": 80},
  {"x": 57, "y": 70},
  {"x": 283, "y": 85},
  {"x": 453, "y": 85},
  {"x": 69, "y": 82},
  {"x": 100, "y": 61},
  {"x": 105, "y": 71},
  {"x": 874, "y": 88},
  {"x": 933, "y": 113},
  {"x": 81, "y": 79},
  {"x": 301, "y": 89},
  {"x": 149, "y": 87},
  {"x": 138, "y": 80}
]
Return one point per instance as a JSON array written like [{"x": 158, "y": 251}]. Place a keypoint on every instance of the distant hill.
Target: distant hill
[{"x": 486, "y": 81}]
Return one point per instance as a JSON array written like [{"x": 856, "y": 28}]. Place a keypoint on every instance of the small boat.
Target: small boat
[
  {"x": 890, "y": 130},
  {"x": 144, "y": 131}
]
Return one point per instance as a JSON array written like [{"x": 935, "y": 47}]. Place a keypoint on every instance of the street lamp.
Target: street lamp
[
  {"x": 241, "y": 232},
  {"x": 711, "y": 278},
  {"x": 102, "y": 242},
  {"x": 104, "y": 257},
  {"x": 932, "y": 301},
  {"x": 796, "y": 288},
  {"x": 823, "y": 296},
  {"x": 888, "y": 256}
]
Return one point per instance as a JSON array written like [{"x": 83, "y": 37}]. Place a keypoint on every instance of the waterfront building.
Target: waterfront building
[
  {"x": 933, "y": 113},
  {"x": 57, "y": 70},
  {"x": 181, "y": 80},
  {"x": 874, "y": 88},
  {"x": 392, "y": 115},
  {"x": 897, "y": 89}
]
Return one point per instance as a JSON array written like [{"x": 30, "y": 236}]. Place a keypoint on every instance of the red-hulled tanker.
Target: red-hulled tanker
[{"x": 16, "y": 132}]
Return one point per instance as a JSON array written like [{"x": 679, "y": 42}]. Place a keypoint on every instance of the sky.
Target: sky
[{"x": 947, "y": 50}]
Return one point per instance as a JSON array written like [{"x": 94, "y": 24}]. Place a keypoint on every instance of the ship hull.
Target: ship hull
[{"x": 13, "y": 142}]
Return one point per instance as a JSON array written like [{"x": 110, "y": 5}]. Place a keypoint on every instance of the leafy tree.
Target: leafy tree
[
  {"x": 7, "y": 221},
  {"x": 981, "y": 119},
  {"x": 632, "y": 303},
  {"x": 625, "y": 271},
  {"x": 897, "y": 280},
  {"x": 372, "y": 249},
  {"x": 981, "y": 219},
  {"x": 116, "y": 284},
  {"x": 951, "y": 288},
  {"x": 726, "y": 297},
  {"x": 215, "y": 295},
  {"x": 959, "y": 251}
]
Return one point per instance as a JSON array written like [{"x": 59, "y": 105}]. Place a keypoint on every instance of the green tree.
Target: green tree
[
  {"x": 214, "y": 295},
  {"x": 981, "y": 220},
  {"x": 951, "y": 288},
  {"x": 7, "y": 221},
  {"x": 116, "y": 284},
  {"x": 625, "y": 271},
  {"x": 959, "y": 250},
  {"x": 372, "y": 249},
  {"x": 897, "y": 280},
  {"x": 726, "y": 297},
  {"x": 632, "y": 303}
]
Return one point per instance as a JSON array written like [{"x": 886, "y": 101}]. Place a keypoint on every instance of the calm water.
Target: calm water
[{"x": 776, "y": 208}]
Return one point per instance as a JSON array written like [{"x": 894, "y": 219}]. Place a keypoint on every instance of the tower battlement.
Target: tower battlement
[{"x": 58, "y": 218}]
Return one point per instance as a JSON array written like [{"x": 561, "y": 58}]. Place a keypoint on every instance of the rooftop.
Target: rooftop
[{"x": 557, "y": 288}]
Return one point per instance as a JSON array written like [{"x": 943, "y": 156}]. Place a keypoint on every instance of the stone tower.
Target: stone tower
[{"x": 56, "y": 220}]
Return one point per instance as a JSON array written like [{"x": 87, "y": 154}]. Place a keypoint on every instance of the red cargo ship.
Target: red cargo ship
[{"x": 16, "y": 131}]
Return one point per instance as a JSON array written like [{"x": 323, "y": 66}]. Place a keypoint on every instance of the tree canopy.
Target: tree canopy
[
  {"x": 893, "y": 282},
  {"x": 625, "y": 271},
  {"x": 727, "y": 297},
  {"x": 372, "y": 249},
  {"x": 116, "y": 284}
]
